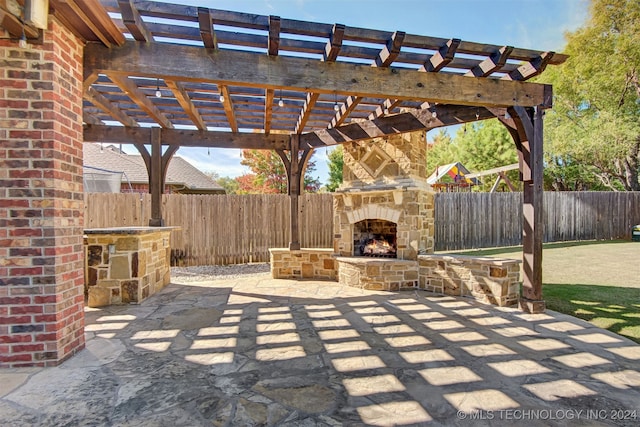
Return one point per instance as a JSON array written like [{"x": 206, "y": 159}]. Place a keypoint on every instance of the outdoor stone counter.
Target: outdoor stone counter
[
  {"x": 302, "y": 263},
  {"x": 377, "y": 274},
  {"x": 125, "y": 264},
  {"x": 491, "y": 280}
]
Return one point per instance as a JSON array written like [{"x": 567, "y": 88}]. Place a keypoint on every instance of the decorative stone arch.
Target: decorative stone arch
[{"x": 374, "y": 211}]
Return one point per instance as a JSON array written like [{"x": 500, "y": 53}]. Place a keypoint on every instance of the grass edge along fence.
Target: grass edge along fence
[{"x": 234, "y": 229}]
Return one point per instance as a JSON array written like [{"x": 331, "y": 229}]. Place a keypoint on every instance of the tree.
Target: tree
[
  {"x": 268, "y": 174},
  {"x": 230, "y": 185},
  {"x": 595, "y": 121},
  {"x": 335, "y": 164},
  {"x": 441, "y": 151}
]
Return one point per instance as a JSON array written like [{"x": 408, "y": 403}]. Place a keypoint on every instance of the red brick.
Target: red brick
[
  {"x": 25, "y": 357},
  {"x": 8, "y": 339},
  {"x": 16, "y": 84},
  {"x": 15, "y": 300},
  {"x": 15, "y": 320},
  {"x": 45, "y": 318},
  {"x": 25, "y": 309},
  {"x": 13, "y": 203},
  {"x": 46, "y": 299},
  {"x": 28, "y": 271},
  {"x": 25, "y": 134},
  {"x": 24, "y": 348},
  {"x": 21, "y": 232}
]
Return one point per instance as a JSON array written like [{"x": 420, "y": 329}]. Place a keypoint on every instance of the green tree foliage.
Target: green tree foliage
[
  {"x": 594, "y": 127},
  {"x": 335, "y": 164},
  {"x": 440, "y": 151},
  {"x": 268, "y": 174},
  {"x": 230, "y": 185}
]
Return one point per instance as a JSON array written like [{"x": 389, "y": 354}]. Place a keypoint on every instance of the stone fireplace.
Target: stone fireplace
[
  {"x": 385, "y": 194},
  {"x": 383, "y": 212}
]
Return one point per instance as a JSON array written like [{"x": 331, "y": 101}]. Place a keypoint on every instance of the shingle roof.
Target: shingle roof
[{"x": 180, "y": 172}]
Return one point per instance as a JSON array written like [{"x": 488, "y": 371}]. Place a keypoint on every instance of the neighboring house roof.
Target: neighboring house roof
[
  {"x": 455, "y": 171},
  {"x": 181, "y": 173}
]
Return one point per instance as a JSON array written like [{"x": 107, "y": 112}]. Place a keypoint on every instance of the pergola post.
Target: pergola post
[
  {"x": 157, "y": 165},
  {"x": 295, "y": 166},
  {"x": 527, "y": 132},
  {"x": 156, "y": 179}
]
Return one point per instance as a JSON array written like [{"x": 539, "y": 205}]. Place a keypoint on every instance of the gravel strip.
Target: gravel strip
[{"x": 203, "y": 273}]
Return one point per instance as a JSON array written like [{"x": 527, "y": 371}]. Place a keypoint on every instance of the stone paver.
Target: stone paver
[{"x": 259, "y": 351}]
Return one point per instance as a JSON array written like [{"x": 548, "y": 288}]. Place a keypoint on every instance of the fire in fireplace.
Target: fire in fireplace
[{"x": 375, "y": 238}]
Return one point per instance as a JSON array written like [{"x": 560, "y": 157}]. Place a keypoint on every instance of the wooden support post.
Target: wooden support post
[
  {"x": 531, "y": 300},
  {"x": 156, "y": 179},
  {"x": 294, "y": 192},
  {"x": 295, "y": 166}
]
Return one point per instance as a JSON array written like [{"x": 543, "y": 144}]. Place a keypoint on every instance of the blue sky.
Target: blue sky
[{"x": 535, "y": 24}]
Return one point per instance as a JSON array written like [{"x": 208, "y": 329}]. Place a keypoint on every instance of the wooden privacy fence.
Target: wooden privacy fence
[
  {"x": 219, "y": 229},
  {"x": 484, "y": 220},
  {"x": 230, "y": 229}
]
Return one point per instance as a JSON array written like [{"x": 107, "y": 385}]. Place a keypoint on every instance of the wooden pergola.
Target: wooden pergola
[{"x": 167, "y": 76}]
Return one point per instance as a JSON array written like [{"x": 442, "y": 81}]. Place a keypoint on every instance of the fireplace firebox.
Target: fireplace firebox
[{"x": 375, "y": 238}]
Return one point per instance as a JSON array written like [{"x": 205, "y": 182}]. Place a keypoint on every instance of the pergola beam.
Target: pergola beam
[
  {"x": 227, "y": 104},
  {"x": 491, "y": 64},
  {"x": 205, "y": 24},
  {"x": 108, "y": 107},
  {"x": 185, "y": 138},
  {"x": 274, "y": 35},
  {"x": 442, "y": 57},
  {"x": 395, "y": 124},
  {"x": 185, "y": 102},
  {"x": 268, "y": 109},
  {"x": 387, "y": 55},
  {"x": 530, "y": 69},
  {"x": 331, "y": 52},
  {"x": 193, "y": 64},
  {"x": 133, "y": 21},
  {"x": 138, "y": 97}
]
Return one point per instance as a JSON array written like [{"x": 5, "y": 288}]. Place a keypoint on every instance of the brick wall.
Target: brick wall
[{"x": 41, "y": 204}]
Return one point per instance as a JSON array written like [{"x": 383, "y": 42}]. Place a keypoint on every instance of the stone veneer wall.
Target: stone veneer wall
[
  {"x": 491, "y": 280},
  {"x": 377, "y": 274},
  {"x": 41, "y": 199},
  {"x": 137, "y": 267},
  {"x": 302, "y": 264}
]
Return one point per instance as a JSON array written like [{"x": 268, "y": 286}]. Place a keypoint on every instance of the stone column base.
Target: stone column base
[{"x": 531, "y": 306}]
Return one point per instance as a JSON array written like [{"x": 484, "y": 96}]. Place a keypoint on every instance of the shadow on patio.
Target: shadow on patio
[{"x": 258, "y": 351}]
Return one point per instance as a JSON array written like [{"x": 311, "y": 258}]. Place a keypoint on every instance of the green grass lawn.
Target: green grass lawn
[
  {"x": 595, "y": 281},
  {"x": 612, "y": 308}
]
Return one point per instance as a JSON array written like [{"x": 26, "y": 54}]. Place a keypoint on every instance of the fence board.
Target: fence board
[{"x": 225, "y": 229}]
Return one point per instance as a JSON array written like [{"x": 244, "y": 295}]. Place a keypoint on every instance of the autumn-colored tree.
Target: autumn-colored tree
[{"x": 268, "y": 174}]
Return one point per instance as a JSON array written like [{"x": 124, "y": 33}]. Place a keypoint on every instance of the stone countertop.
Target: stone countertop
[
  {"x": 373, "y": 260},
  {"x": 128, "y": 230},
  {"x": 470, "y": 258},
  {"x": 312, "y": 250}
]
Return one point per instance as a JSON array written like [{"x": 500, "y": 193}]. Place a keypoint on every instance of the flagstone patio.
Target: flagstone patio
[{"x": 262, "y": 351}]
